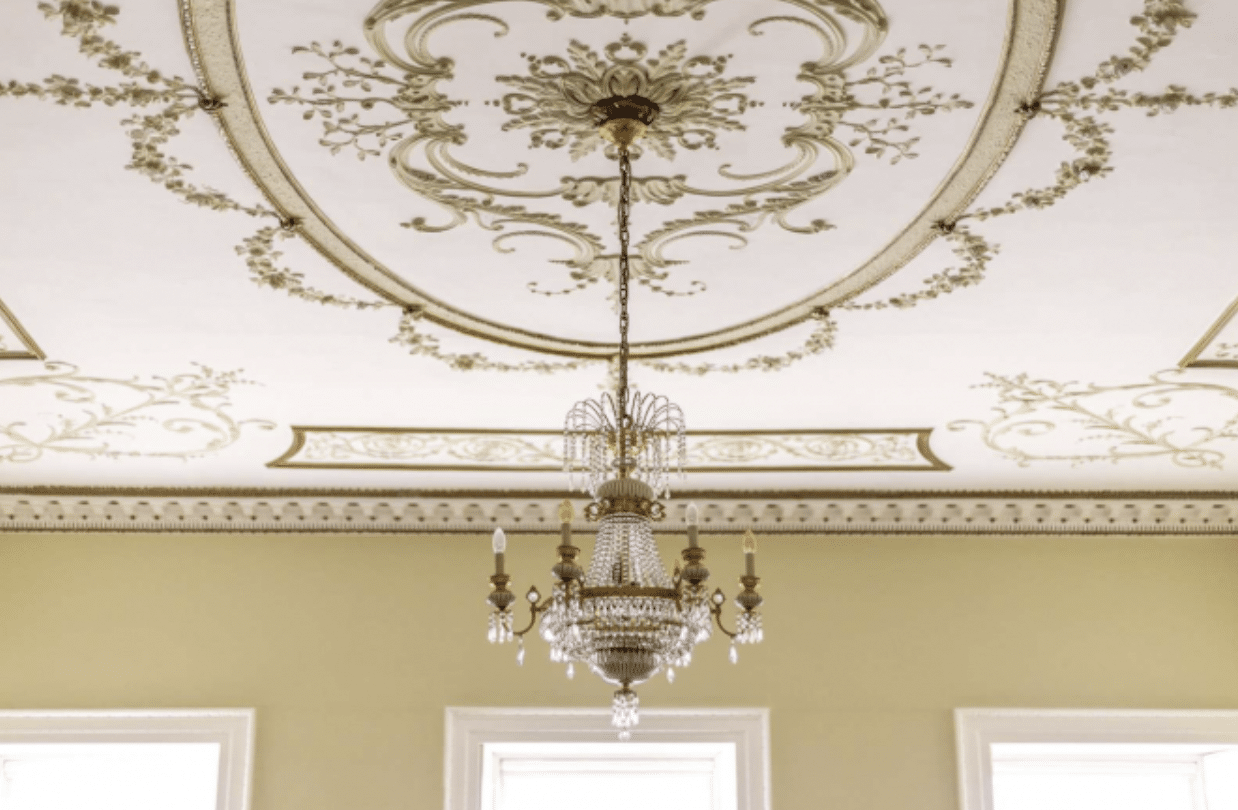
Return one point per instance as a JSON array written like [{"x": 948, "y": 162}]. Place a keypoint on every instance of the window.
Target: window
[
  {"x": 190, "y": 760},
  {"x": 1094, "y": 760},
  {"x": 531, "y": 759}
]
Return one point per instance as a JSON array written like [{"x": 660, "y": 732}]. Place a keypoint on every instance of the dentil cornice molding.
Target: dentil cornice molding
[{"x": 782, "y": 513}]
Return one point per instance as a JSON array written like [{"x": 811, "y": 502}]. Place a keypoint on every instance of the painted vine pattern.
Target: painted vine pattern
[
  {"x": 112, "y": 415},
  {"x": 1123, "y": 422}
]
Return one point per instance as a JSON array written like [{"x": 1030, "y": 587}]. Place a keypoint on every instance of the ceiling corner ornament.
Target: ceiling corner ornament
[
  {"x": 734, "y": 451},
  {"x": 1218, "y": 348},
  {"x": 62, "y": 411},
  {"x": 15, "y": 342},
  {"x": 1039, "y": 421}
]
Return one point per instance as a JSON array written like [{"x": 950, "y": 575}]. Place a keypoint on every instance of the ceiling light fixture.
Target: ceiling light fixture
[{"x": 626, "y": 619}]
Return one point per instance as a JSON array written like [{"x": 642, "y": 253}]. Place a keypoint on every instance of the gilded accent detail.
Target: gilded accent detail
[
  {"x": 28, "y": 350},
  {"x": 1216, "y": 348},
  {"x": 1047, "y": 421},
  {"x": 119, "y": 418},
  {"x": 542, "y": 450}
]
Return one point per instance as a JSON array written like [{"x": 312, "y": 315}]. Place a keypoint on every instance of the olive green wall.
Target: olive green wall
[{"x": 350, "y": 647}]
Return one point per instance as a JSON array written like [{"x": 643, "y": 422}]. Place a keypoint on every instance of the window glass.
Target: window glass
[
  {"x": 1113, "y": 777},
  {"x": 109, "y": 776},
  {"x": 610, "y": 776}
]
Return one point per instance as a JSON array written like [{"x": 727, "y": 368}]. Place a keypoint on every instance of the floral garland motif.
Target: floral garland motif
[
  {"x": 262, "y": 256},
  {"x": 421, "y": 344},
  {"x": 820, "y": 340},
  {"x": 392, "y": 104},
  {"x": 1074, "y": 105},
  {"x": 119, "y": 418},
  {"x": 1044, "y": 420},
  {"x": 176, "y": 100}
]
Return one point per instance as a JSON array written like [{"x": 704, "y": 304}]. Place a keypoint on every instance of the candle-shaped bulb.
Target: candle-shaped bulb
[
  {"x": 692, "y": 514},
  {"x": 566, "y": 512},
  {"x": 500, "y": 541},
  {"x": 750, "y": 542},
  {"x": 750, "y": 554}
]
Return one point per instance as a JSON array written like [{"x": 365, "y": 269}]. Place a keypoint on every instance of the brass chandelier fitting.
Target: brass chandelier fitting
[{"x": 626, "y": 618}]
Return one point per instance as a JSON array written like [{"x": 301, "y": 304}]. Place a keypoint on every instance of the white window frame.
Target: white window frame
[
  {"x": 469, "y": 729},
  {"x": 232, "y": 729},
  {"x": 976, "y": 730}
]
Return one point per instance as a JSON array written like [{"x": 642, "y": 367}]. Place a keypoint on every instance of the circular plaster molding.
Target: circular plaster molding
[{"x": 213, "y": 38}]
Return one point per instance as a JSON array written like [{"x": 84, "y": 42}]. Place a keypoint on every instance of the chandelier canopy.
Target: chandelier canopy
[{"x": 627, "y": 619}]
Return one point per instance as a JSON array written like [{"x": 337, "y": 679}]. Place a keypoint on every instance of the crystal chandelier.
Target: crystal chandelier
[{"x": 626, "y": 618}]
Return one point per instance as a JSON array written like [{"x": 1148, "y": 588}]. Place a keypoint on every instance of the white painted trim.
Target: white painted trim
[
  {"x": 976, "y": 730},
  {"x": 232, "y": 729},
  {"x": 469, "y": 729}
]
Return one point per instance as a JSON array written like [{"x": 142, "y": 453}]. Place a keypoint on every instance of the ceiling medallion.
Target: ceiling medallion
[
  {"x": 626, "y": 619},
  {"x": 390, "y": 103},
  {"x": 215, "y": 49}
]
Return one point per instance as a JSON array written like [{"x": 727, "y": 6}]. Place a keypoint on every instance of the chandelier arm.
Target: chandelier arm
[
  {"x": 716, "y": 610},
  {"x": 534, "y": 612}
]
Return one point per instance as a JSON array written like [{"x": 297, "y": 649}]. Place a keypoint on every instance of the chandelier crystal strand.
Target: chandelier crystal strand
[{"x": 627, "y": 619}]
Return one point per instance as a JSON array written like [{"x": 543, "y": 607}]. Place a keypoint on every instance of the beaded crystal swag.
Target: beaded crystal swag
[{"x": 626, "y": 619}]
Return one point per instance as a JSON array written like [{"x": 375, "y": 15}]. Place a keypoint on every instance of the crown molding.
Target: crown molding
[{"x": 820, "y": 512}]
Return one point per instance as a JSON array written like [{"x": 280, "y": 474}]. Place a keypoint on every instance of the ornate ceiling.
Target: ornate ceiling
[{"x": 898, "y": 248}]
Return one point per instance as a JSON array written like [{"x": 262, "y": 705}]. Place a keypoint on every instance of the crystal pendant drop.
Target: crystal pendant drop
[
  {"x": 670, "y": 674},
  {"x": 571, "y": 671},
  {"x": 626, "y": 712},
  {"x": 734, "y": 656},
  {"x": 520, "y": 654}
]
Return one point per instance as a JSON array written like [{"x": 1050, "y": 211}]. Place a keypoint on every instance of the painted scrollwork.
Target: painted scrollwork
[
  {"x": 112, "y": 418},
  {"x": 1047, "y": 421},
  {"x": 392, "y": 447},
  {"x": 393, "y": 104},
  {"x": 542, "y": 450}
]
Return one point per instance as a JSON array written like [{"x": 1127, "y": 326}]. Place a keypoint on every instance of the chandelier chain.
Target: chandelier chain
[{"x": 625, "y": 208}]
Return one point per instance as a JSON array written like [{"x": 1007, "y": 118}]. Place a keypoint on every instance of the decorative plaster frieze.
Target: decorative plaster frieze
[{"x": 798, "y": 513}]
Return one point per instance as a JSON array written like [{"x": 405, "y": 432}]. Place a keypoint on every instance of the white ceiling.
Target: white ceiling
[{"x": 1114, "y": 287}]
